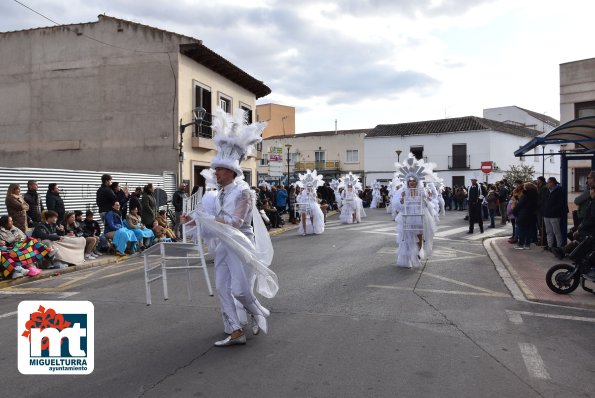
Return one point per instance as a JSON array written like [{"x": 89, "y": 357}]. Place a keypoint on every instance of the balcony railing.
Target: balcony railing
[
  {"x": 459, "y": 162},
  {"x": 327, "y": 165}
]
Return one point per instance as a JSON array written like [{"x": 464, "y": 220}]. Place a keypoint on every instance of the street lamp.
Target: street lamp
[
  {"x": 288, "y": 146},
  {"x": 198, "y": 115},
  {"x": 398, "y": 152},
  {"x": 543, "y": 160}
]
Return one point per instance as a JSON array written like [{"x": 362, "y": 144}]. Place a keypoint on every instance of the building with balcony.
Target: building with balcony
[
  {"x": 331, "y": 153},
  {"x": 458, "y": 146},
  {"x": 110, "y": 95}
]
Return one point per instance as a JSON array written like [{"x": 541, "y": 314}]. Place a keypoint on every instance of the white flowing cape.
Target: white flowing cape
[{"x": 258, "y": 257}]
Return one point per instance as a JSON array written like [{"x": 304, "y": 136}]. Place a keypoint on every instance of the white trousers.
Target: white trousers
[
  {"x": 552, "y": 229},
  {"x": 233, "y": 281}
]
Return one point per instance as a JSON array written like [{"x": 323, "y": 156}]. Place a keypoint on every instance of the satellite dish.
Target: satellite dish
[{"x": 160, "y": 197}]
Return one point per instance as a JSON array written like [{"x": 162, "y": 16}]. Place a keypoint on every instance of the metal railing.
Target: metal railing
[
  {"x": 459, "y": 162},
  {"x": 326, "y": 165}
]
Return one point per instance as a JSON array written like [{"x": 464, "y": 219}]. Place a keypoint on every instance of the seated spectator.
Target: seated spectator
[
  {"x": 271, "y": 213},
  {"x": 160, "y": 234},
  {"x": 122, "y": 238},
  {"x": 144, "y": 235},
  {"x": 17, "y": 207},
  {"x": 19, "y": 253},
  {"x": 78, "y": 216},
  {"x": 73, "y": 229},
  {"x": 69, "y": 250},
  {"x": 162, "y": 222},
  {"x": 92, "y": 228}
]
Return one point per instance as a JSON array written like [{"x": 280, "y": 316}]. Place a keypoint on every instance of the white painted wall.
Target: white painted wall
[
  {"x": 493, "y": 146},
  {"x": 507, "y": 114}
]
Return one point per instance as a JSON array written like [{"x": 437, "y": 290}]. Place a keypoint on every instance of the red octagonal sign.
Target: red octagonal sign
[{"x": 486, "y": 167}]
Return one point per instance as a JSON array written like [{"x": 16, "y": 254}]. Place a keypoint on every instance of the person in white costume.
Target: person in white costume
[
  {"x": 335, "y": 187},
  {"x": 416, "y": 218},
  {"x": 352, "y": 207},
  {"x": 312, "y": 218},
  {"x": 376, "y": 196},
  {"x": 242, "y": 254}
]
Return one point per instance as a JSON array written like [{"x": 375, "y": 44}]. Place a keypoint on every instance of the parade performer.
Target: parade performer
[
  {"x": 352, "y": 209},
  {"x": 376, "y": 196},
  {"x": 242, "y": 254},
  {"x": 312, "y": 218},
  {"x": 335, "y": 187},
  {"x": 416, "y": 222}
]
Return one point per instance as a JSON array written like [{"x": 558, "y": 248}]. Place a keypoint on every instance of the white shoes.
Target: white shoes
[
  {"x": 241, "y": 340},
  {"x": 90, "y": 257},
  {"x": 255, "y": 327}
]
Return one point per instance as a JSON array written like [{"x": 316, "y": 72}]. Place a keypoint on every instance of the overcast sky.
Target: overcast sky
[{"x": 368, "y": 62}]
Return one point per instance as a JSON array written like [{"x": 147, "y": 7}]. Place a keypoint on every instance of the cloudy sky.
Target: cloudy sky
[{"x": 368, "y": 62}]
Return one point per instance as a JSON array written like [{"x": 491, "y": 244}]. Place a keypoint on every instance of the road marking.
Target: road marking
[
  {"x": 379, "y": 233},
  {"x": 24, "y": 291},
  {"x": 439, "y": 291},
  {"x": 451, "y": 231},
  {"x": 533, "y": 361},
  {"x": 516, "y": 316},
  {"x": 438, "y": 260},
  {"x": 481, "y": 289},
  {"x": 8, "y": 314}
]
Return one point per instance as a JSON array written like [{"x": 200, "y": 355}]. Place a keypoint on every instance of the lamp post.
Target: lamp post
[
  {"x": 288, "y": 146},
  {"x": 543, "y": 161},
  {"x": 398, "y": 152},
  {"x": 198, "y": 114}
]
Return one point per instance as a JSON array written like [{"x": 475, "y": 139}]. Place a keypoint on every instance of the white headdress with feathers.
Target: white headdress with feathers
[
  {"x": 310, "y": 180},
  {"x": 234, "y": 139},
  {"x": 415, "y": 169},
  {"x": 210, "y": 179},
  {"x": 334, "y": 184},
  {"x": 350, "y": 180}
]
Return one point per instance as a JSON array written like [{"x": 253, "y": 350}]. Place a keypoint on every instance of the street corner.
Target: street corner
[{"x": 524, "y": 274}]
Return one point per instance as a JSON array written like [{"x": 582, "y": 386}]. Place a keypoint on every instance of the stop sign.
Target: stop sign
[{"x": 486, "y": 167}]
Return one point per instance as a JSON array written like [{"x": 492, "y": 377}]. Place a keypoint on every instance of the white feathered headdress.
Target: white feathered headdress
[
  {"x": 415, "y": 169},
  {"x": 210, "y": 179},
  {"x": 334, "y": 184},
  {"x": 234, "y": 139},
  {"x": 350, "y": 180},
  {"x": 310, "y": 180}
]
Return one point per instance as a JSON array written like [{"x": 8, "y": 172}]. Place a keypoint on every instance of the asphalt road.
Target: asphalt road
[{"x": 346, "y": 323}]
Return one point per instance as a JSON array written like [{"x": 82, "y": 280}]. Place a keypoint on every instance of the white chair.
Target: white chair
[{"x": 190, "y": 251}]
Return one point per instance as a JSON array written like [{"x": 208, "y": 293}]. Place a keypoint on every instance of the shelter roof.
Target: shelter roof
[{"x": 580, "y": 132}]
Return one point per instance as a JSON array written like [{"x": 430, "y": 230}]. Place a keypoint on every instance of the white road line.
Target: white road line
[
  {"x": 439, "y": 291},
  {"x": 533, "y": 361},
  {"x": 503, "y": 269},
  {"x": 516, "y": 316},
  {"x": 486, "y": 234},
  {"x": 451, "y": 231},
  {"x": 8, "y": 314}
]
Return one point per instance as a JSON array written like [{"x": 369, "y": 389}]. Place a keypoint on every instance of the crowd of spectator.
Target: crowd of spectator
[{"x": 37, "y": 234}]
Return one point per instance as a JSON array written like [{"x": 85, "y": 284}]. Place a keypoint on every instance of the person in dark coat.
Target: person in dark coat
[
  {"x": 554, "y": 208},
  {"x": 35, "y": 203},
  {"x": 134, "y": 201},
  {"x": 525, "y": 213},
  {"x": 121, "y": 197},
  {"x": 105, "y": 196},
  {"x": 149, "y": 205},
  {"x": 475, "y": 197},
  {"x": 54, "y": 201}
]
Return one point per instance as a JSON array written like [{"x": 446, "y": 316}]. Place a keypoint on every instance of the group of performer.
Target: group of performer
[{"x": 228, "y": 221}]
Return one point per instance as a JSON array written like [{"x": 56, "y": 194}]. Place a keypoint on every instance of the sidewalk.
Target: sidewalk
[{"x": 527, "y": 269}]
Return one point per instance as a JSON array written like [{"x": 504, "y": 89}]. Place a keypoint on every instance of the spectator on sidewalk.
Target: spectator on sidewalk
[
  {"x": 18, "y": 252},
  {"x": 542, "y": 193},
  {"x": 149, "y": 205},
  {"x": 281, "y": 198},
  {"x": 122, "y": 196},
  {"x": 554, "y": 208},
  {"x": 583, "y": 200},
  {"x": 503, "y": 194},
  {"x": 586, "y": 227},
  {"x": 105, "y": 196},
  {"x": 165, "y": 227},
  {"x": 69, "y": 250},
  {"x": 492, "y": 203},
  {"x": 134, "y": 200},
  {"x": 123, "y": 239},
  {"x": 35, "y": 203},
  {"x": 271, "y": 213},
  {"x": 525, "y": 213},
  {"x": 54, "y": 201},
  {"x": 143, "y": 234},
  {"x": 16, "y": 206},
  {"x": 73, "y": 229},
  {"x": 178, "y": 202},
  {"x": 78, "y": 216}
]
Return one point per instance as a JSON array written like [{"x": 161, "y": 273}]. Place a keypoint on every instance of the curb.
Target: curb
[
  {"x": 514, "y": 283},
  {"x": 57, "y": 272}
]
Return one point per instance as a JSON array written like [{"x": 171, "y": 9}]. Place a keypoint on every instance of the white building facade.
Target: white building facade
[{"x": 458, "y": 146}]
